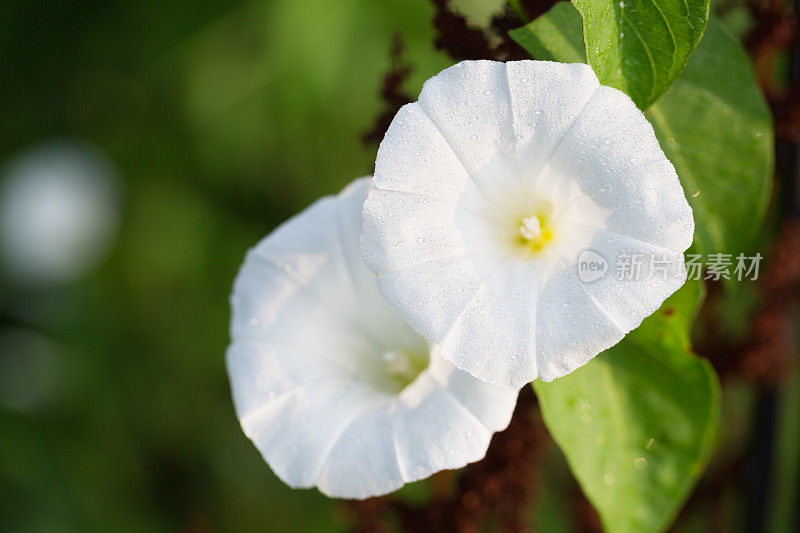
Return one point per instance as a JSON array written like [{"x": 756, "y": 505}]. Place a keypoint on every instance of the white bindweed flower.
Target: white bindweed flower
[
  {"x": 491, "y": 191},
  {"x": 329, "y": 382}
]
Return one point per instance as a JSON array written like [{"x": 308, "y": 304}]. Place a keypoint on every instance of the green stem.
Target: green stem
[{"x": 517, "y": 8}]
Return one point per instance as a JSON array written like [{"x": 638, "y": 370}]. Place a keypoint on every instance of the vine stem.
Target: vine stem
[{"x": 516, "y": 6}]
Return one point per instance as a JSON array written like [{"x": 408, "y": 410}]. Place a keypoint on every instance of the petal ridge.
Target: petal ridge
[{"x": 481, "y": 185}]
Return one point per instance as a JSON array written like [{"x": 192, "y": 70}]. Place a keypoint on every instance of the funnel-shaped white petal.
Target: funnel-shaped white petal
[
  {"x": 333, "y": 387},
  {"x": 490, "y": 191}
]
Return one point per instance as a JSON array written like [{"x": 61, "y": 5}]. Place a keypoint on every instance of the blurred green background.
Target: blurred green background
[{"x": 221, "y": 119}]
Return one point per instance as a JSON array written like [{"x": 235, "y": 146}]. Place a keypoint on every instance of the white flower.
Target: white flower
[
  {"x": 332, "y": 386},
  {"x": 487, "y": 191}
]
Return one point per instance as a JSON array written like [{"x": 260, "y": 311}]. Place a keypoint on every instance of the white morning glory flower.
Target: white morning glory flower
[
  {"x": 495, "y": 189},
  {"x": 329, "y": 382}
]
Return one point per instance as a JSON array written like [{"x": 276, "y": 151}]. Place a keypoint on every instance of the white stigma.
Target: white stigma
[{"x": 531, "y": 228}]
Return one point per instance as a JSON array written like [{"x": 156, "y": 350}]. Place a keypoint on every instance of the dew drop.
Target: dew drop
[{"x": 420, "y": 240}]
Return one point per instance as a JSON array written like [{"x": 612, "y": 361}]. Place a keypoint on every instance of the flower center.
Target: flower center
[
  {"x": 534, "y": 231},
  {"x": 402, "y": 367},
  {"x": 531, "y": 228}
]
